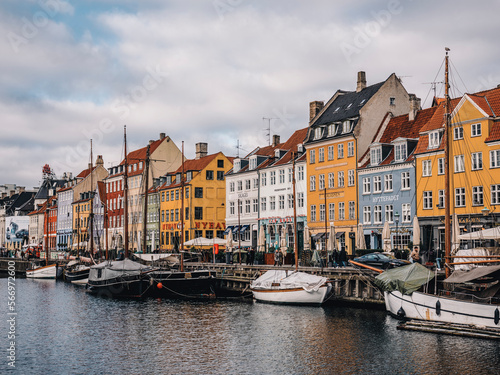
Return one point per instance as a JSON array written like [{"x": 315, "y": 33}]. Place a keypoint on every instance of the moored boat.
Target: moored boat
[
  {"x": 76, "y": 273},
  {"x": 52, "y": 271},
  {"x": 184, "y": 285}
]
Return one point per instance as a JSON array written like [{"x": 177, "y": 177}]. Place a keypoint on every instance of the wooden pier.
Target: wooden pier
[{"x": 455, "y": 329}]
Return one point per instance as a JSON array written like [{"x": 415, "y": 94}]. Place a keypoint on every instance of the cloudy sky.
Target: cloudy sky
[{"x": 210, "y": 71}]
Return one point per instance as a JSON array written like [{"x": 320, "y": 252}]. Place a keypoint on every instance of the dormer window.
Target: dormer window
[
  {"x": 169, "y": 180},
  {"x": 376, "y": 155},
  {"x": 318, "y": 132},
  {"x": 300, "y": 148},
  {"x": 189, "y": 176},
  {"x": 331, "y": 129},
  {"x": 400, "y": 152},
  {"x": 178, "y": 178},
  {"x": 346, "y": 126},
  {"x": 277, "y": 153},
  {"x": 434, "y": 138},
  {"x": 237, "y": 165},
  {"x": 253, "y": 162}
]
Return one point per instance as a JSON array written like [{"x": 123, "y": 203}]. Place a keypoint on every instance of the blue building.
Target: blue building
[{"x": 386, "y": 179}]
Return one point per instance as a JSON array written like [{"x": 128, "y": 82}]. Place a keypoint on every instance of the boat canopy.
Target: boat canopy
[
  {"x": 478, "y": 275},
  {"x": 405, "y": 279},
  {"x": 302, "y": 280},
  {"x": 121, "y": 265}
]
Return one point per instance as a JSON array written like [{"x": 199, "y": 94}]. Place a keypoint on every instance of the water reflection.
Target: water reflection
[{"x": 61, "y": 329}]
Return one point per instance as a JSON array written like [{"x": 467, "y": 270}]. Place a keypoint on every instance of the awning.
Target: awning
[
  {"x": 226, "y": 232},
  {"x": 244, "y": 228},
  {"x": 339, "y": 234},
  {"x": 318, "y": 236},
  {"x": 235, "y": 228}
]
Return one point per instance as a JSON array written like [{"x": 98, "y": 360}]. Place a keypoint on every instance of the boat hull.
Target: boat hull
[
  {"x": 195, "y": 284},
  {"x": 292, "y": 296},
  {"x": 424, "y": 306},
  {"x": 72, "y": 276},
  {"x": 45, "y": 272},
  {"x": 132, "y": 286}
]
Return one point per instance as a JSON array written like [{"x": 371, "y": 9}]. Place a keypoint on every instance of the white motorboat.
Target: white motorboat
[
  {"x": 283, "y": 287},
  {"x": 52, "y": 271}
]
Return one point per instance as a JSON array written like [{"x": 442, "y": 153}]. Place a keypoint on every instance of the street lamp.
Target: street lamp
[{"x": 396, "y": 217}]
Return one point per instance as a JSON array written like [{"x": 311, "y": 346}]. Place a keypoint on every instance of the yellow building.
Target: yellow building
[
  {"x": 474, "y": 167},
  {"x": 204, "y": 197},
  {"x": 81, "y": 222},
  {"x": 340, "y": 132}
]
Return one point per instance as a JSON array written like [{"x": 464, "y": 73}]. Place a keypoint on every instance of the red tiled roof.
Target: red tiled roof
[
  {"x": 85, "y": 172},
  {"x": 401, "y": 126},
  {"x": 494, "y": 132},
  {"x": 482, "y": 103},
  {"x": 102, "y": 190},
  {"x": 493, "y": 97},
  {"x": 291, "y": 144}
]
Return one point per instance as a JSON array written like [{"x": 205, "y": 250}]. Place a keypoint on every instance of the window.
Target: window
[
  {"x": 263, "y": 203},
  {"x": 247, "y": 206},
  {"x": 198, "y": 213},
  {"x": 377, "y": 214},
  {"x": 272, "y": 203},
  {"x": 163, "y": 196},
  {"x": 248, "y": 184},
  {"x": 475, "y": 130},
  {"x": 220, "y": 163},
  {"x": 366, "y": 185},
  {"x": 331, "y": 180},
  {"x": 177, "y": 214},
  {"x": 350, "y": 177},
  {"x": 426, "y": 168},
  {"x": 477, "y": 161},
  {"x": 340, "y": 151},
  {"x": 321, "y": 182},
  {"x": 263, "y": 178},
  {"x": 252, "y": 163},
  {"x": 231, "y": 187},
  {"x": 290, "y": 200},
  {"x": 350, "y": 149},
  {"x": 331, "y": 211},
  {"x": 352, "y": 210},
  {"x": 340, "y": 177},
  {"x": 367, "y": 215},
  {"x": 198, "y": 192},
  {"x": 300, "y": 173},
  {"x": 494, "y": 158},
  {"x": 460, "y": 197},
  {"x": 177, "y": 194},
  {"x": 290, "y": 175},
  {"x": 440, "y": 166},
  {"x": 300, "y": 199},
  {"x": 392, "y": 100},
  {"x": 240, "y": 185},
  {"x": 377, "y": 184},
  {"x": 312, "y": 183},
  {"x": 282, "y": 176},
  {"x": 400, "y": 152},
  {"x": 313, "y": 212},
  {"x": 312, "y": 156},
  {"x": 495, "y": 194},
  {"x": 321, "y": 155},
  {"x": 317, "y": 133},
  {"x": 255, "y": 205},
  {"x": 255, "y": 183},
  {"x": 406, "y": 208},
  {"x": 459, "y": 164},
  {"x": 210, "y": 175},
  {"x": 375, "y": 156},
  {"x": 273, "y": 178},
  {"x": 405, "y": 181},
  {"x": 477, "y": 195},
  {"x": 220, "y": 175},
  {"x": 388, "y": 182},
  {"x": 434, "y": 139},
  {"x": 440, "y": 198},
  {"x": 458, "y": 133},
  {"x": 346, "y": 126},
  {"x": 341, "y": 211},
  {"x": 389, "y": 213},
  {"x": 321, "y": 212},
  {"x": 281, "y": 202},
  {"x": 331, "y": 152},
  {"x": 427, "y": 200},
  {"x": 240, "y": 206},
  {"x": 331, "y": 130}
]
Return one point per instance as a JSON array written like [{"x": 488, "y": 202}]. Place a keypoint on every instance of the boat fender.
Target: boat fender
[
  {"x": 159, "y": 285},
  {"x": 401, "y": 312},
  {"x": 497, "y": 316},
  {"x": 438, "y": 308}
]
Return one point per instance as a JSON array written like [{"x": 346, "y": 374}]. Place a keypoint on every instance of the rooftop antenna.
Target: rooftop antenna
[
  {"x": 238, "y": 146},
  {"x": 433, "y": 85},
  {"x": 269, "y": 126}
]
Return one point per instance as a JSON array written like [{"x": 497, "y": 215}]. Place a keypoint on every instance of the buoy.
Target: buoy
[
  {"x": 401, "y": 313},
  {"x": 497, "y": 316},
  {"x": 159, "y": 285},
  {"x": 438, "y": 308}
]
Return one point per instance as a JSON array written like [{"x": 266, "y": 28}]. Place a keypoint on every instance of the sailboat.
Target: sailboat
[
  {"x": 477, "y": 305},
  {"x": 283, "y": 287}
]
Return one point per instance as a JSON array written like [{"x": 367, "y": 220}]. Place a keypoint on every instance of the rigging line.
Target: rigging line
[
  {"x": 434, "y": 80},
  {"x": 456, "y": 70}
]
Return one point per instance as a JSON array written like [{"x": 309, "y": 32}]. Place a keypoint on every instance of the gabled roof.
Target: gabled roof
[
  {"x": 43, "y": 192},
  {"x": 494, "y": 132},
  {"x": 85, "y": 172},
  {"x": 291, "y": 146}
]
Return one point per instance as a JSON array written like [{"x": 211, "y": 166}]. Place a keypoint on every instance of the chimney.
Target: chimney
[
  {"x": 162, "y": 135},
  {"x": 201, "y": 150},
  {"x": 361, "y": 81},
  {"x": 414, "y": 107},
  {"x": 314, "y": 108},
  {"x": 90, "y": 166},
  {"x": 151, "y": 141},
  {"x": 276, "y": 140},
  {"x": 99, "y": 160}
]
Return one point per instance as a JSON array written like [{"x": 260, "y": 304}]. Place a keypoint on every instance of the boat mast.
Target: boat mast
[
  {"x": 447, "y": 202},
  {"x": 46, "y": 232},
  {"x": 91, "y": 204},
  {"x": 145, "y": 208},
  {"x": 106, "y": 224},
  {"x": 125, "y": 194},
  {"x": 295, "y": 242},
  {"x": 182, "y": 211}
]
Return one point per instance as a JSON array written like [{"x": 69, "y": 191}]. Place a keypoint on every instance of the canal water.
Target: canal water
[{"x": 60, "y": 329}]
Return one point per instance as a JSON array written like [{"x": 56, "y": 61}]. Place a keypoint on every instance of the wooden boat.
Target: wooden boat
[
  {"x": 183, "y": 285},
  {"x": 282, "y": 287},
  {"x": 76, "y": 273},
  {"x": 52, "y": 271}
]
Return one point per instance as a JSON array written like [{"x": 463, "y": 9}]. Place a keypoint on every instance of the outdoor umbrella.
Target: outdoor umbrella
[
  {"x": 386, "y": 237},
  {"x": 282, "y": 240},
  {"x": 332, "y": 243},
  {"x": 361, "y": 244},
  {"x": 416, "y": 232},
  {"x": 307, "y": 238},
  {"x": 262, "y": 239},
  {"x": 455, "y": 242},
  {"x": 229, "y": 240}
]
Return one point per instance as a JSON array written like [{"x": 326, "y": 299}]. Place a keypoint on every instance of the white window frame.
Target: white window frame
[
  {"x": 495, "y": 194},
  {"x": 331, "y": 180},
  {"x": 312, "y": 183},
  {"x": 350, "y": 149},
  {"x": 405, "y": 181},
  {"x": 331, "y": 152},
  {"x": 400, "y": 152},
  {"x": 350, "y": 177},
  {"x": 475, "y": 130},
  {"x": 321, "y": 154},
  {"x": 434, "y": 139},
  {"x": 460, "y": 197},
  {"x": 476, "y": 161},
  {"x": 389, "y": 213},
  {"x": 367, "y": 215},
  {"x": 313, "y": 212},
  {"x": 340, "y": 151},
  {"x": 341, "y": 211},
  {"x": 321, "y": 182},
  {"x": 377, "y": 214},
  {"x": 426, "y": 168},
  {"x": 440, "y": 166},
  {"x": 427, "y": 200},
  {"x": 376, "y": 155},
  {"x": 459, "y": 164},
  {"x": 495, "y": 159},
  {"x": 340, "y": 177},
  {"x": 377, "y": 184},
  {"x": 388, "y": 183},
  {"x": 406, "y": 212},
  {"x": 367, "y": 185},
  {"x": 312, "y": 156},
  {"x": 477, "y": 196},
  {"x": 458, "y": 133}
]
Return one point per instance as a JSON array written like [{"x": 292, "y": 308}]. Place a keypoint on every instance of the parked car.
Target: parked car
[
  {"x": 21, "y": 233},
  {"x": 379, "y": 260}
]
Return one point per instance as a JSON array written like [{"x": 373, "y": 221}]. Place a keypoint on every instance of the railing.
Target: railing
[{"x": 470, "y": 297}]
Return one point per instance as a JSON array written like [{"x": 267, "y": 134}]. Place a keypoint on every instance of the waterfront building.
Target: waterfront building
[
  {"x": 15, "y": 204},
  {"x": 81, "y": 215},
  {"x": 153, "y": 217},
  {"x": 51, "y": 225},
  {"x": 65, "y": 218},
  {"x": 99, "y": 217},
  {"x": 339, "y": 133},
  {"x": 386, "y": 179},
  {"x": 474, "y": 167},
  {"x": 204, "y": 197}
]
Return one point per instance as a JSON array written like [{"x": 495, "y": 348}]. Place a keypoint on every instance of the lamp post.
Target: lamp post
[{"x": 396, "y": 217}]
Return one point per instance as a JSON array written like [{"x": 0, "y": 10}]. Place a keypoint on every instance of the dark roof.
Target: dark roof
[
  {"x": 43, "y": 192},
  {"x": 347, "y": 105},
  {"x": 22, "y": 203}
]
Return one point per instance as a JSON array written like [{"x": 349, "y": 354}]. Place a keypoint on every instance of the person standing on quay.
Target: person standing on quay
[{"x": 343, "y": 257}]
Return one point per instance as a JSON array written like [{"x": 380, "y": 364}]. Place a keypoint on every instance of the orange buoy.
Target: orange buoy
[{"x": 159, "y": 285}]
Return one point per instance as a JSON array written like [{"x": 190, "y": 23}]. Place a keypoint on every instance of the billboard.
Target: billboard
[{"x": 16, "y": 228}]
